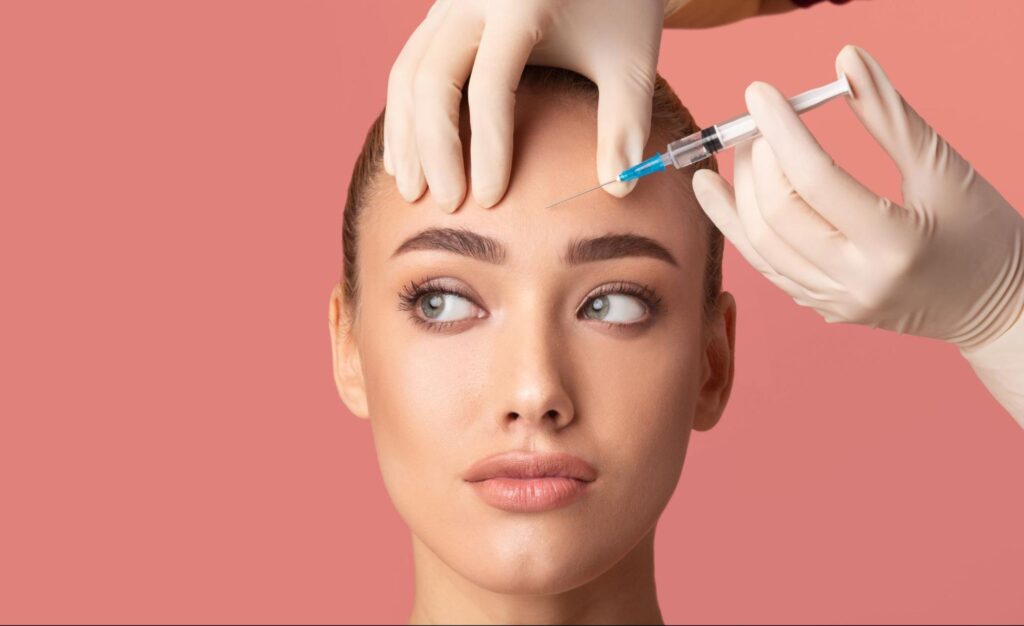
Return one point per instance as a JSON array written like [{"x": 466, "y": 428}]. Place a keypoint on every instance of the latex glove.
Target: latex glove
[
  {"x": 613, "y": 43},
  {"x": 948, "y": 263}
]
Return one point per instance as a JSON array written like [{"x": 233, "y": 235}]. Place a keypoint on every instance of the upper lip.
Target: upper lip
[{"x": 521, "y": 464}]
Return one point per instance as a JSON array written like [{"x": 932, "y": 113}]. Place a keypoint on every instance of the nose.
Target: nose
[{"x": 529, "y": 364}]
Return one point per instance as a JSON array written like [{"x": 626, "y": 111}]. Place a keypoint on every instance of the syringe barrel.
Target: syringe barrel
[
  {"x": 737, "y": 130},
  {"x": 693, "y": 148},
  {"x": 704, "y": 143}
]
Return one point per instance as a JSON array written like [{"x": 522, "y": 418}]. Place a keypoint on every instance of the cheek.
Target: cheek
[
  {"x": 641, "y": 397},
  {"x": 434, "y": 405},
  {"x": 423, "y": 392}
]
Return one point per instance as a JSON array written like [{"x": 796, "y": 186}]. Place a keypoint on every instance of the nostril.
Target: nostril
[{"x": 552, "y": 414}]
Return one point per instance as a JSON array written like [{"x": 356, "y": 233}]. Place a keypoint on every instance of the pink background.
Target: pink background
[{"x": 171, "y": 444}]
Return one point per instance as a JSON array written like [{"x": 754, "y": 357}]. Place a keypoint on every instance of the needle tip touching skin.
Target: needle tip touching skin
[{"x": 577, "y": 195}]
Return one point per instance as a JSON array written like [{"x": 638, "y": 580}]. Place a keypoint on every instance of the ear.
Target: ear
[
  {"x": 719, "y": 358},
  {"x": 348, "y": 370}
]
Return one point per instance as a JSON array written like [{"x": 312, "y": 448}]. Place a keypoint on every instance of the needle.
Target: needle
[
  {"x": 581, "y": 193},
  {"x": 700, "y": 145}
]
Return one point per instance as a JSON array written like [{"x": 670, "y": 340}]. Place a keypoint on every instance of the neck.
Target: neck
[{"x": 625, "y": 594}]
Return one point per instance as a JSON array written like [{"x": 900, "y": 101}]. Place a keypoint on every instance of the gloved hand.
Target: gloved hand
[
  {"x": 613, "y": 43},
  {"x": 948, "y": 263}
]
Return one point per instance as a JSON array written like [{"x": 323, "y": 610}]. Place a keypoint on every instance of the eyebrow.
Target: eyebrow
[{"x": 482, "y": 248}]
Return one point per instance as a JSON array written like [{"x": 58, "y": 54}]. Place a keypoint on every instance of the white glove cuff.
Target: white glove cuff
[{"x": 1000, "y": 366}]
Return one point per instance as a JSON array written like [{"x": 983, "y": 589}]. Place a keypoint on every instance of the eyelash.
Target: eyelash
[
  {"x": 411, "y": 293},
  {"x": 410, "y": 296},
  {"x": 643, "y": 293}
]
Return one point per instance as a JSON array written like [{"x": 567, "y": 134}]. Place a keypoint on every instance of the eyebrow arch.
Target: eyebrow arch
[
  {"x": 614, "y": 246},
  {"x": 489, "y": 250},
  {"x": 457, "y": 240}
]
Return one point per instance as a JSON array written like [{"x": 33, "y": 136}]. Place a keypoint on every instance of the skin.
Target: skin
[{"x": 526, "y": 370}]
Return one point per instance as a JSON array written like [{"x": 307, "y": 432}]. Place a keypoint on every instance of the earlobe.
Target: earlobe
[
  {"x": 348, "y": 371},
  {"x": 719, "y": 361}
]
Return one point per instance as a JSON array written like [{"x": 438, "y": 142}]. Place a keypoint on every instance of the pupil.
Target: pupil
[
  {"x": 433, "y": 305},
  {"x": 600, "y": 307}
]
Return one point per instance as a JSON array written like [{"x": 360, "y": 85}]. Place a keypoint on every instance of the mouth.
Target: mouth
[{"x": 530, "y": 482}]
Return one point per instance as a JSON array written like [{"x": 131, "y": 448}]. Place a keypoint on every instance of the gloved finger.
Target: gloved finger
[
  {"x": 623, "y": 124},
  {"x": 717, "y": 199},
  {"x": 850, "y": 206},
  {"x": 504, "y": 50},
  {"x": 783, "y": 258},
  {"x": 400, "y": 156},
  {"x": 437, "y": 90},
  {"x": 911, "y": 142},
  {"x": 401, "y": 159},
  {"x": 797, "y": 224}
]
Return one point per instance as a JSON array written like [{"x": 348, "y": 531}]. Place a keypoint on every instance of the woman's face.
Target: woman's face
[{"x": 572, "y": 329}]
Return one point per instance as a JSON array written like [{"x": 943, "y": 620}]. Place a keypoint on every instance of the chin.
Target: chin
[{"x": 535, "y": 564}]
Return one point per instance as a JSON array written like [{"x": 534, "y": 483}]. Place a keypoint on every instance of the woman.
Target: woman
[{"x": 531, "y": 375}]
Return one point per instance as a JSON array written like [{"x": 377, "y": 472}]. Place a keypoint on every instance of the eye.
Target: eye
[
  {"x": 438, "y": 306},
  {"x": 615, "y": 308}
]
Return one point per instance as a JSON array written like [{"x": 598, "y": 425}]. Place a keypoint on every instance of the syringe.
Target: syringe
[{"x": 704, "y": 143}]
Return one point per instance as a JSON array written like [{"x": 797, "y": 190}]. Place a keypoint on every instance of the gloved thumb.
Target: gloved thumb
[
  {"x": 623, "y": 125},
  {"x": 911, "y": 142}
]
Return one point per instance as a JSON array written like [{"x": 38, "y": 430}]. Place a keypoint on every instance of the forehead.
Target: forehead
[{"x": 554, "y": 156}]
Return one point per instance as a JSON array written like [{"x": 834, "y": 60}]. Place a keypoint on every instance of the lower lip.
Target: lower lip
[{"x": 529, "y": 494}]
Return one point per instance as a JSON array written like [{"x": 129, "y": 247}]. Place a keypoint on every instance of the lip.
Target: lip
[{"x": 530, "y": 481}]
